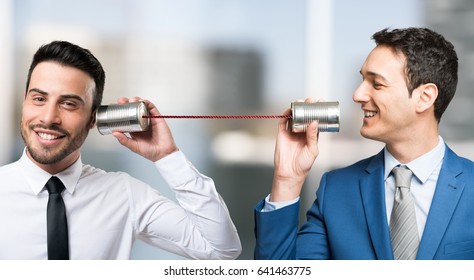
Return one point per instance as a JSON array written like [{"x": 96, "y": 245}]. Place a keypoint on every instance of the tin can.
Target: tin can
[
  {"x": 126, "y": 117},
  {"x": 326, "y": 113}
]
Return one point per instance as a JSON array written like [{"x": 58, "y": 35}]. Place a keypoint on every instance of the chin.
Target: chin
[
  {"x": 363, "y": 132},
  {"x": 366, "y": 133}
]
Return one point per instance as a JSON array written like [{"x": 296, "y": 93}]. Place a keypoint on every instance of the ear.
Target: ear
[
  {"x": 93, "y": 119},
  {"x": 427, "y": 96}
]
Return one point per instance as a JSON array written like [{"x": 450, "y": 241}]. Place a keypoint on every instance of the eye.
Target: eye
[
  {"x": 38, "y": 99},
  {"x": 70, "y": 105},
  {"x": 377, "y": 85}
]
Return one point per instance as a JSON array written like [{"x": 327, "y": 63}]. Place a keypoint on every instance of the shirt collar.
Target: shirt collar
[
  {"x": 37, "y": 177},
  {"x": 423, "y": 166}
]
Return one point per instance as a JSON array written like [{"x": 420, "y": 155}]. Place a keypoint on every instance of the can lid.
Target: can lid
[{"x": 143, "y": 111}]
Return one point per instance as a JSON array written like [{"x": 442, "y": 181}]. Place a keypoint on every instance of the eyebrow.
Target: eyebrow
[
  {"x": 64, "y": 96},
  {"x": 376, "y": 75},
  {"x": 37, "y": 90}
]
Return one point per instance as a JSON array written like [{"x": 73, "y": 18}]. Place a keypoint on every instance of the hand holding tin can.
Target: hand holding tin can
[
  {"x": 125, "y": 117},
  {"x": 126, "y": 121},
  {"x": 326, "y": 113}
]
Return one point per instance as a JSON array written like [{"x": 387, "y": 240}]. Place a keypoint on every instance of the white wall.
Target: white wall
[{"x": 7, "y": 105}]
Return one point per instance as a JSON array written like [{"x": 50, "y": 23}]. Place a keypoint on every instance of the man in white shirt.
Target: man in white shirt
[
  {"x": 408, "y": 80},
  {"x": 106, "y": 212}
]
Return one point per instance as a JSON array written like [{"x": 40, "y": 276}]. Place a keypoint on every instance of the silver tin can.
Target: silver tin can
[
  {"x": 326, "y": 113},
  {"x": 126, "y": 117}
]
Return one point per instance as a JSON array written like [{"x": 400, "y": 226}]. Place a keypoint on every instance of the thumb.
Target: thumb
[
  {"x": 312, "y": 135},
  {"x": 124, "y": 140}
]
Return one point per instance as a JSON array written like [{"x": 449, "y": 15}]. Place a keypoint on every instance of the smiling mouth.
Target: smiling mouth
[
  {"x": 49, "y": 133},
  {"x": 370, "y": 114},
  {"x": 47, "y": 136}
]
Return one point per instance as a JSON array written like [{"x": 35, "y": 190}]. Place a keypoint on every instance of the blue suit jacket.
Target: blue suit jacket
[{"x": 348, "y": 219}]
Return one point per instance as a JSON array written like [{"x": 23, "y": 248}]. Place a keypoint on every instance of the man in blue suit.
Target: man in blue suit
[{"x": 408, "y": 80}]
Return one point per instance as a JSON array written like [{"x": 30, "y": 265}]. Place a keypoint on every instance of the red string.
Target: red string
[{"x": 218, "y": 117}]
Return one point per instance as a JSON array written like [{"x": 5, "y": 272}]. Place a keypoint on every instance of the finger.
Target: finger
[
  {"x": 152, "y": 108},
  {"x": 122, "y": 138},
  {"x": 283, "y": 122},
  {"x": 313, "y": 100},
  {"x": 122, "y": 100},
  {"x": 287, "y": 112},
  {"x": 136, "y": 99},
  {"x": 312, "y": 135}
]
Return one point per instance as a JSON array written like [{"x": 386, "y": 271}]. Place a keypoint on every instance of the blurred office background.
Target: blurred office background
[{"x": 228, "y": 57}]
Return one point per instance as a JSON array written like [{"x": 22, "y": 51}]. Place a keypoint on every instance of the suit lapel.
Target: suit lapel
[
  {"x": 446, "y": 197},
  {"x": 372, "y": 188}
]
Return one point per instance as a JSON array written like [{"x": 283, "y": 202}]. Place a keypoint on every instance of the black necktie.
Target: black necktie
[{"x": 58, "y": 247}]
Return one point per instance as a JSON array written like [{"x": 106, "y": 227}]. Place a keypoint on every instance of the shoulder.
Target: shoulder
[
  {"x": 92, "y": 171},
  {"x": 460, "y": 167},
  {"x": 451, "y": 158},
  {"x": 9, "y": 168},
  {"x": 96, "y": 174},
  {"x": 350, "y": 175},
  {"x": 358, "y": 167}
]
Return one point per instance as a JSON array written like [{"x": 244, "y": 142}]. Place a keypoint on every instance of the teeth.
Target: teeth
[
  {"x": 369, "y": 114},
  {"x": 46, "y": 136}
]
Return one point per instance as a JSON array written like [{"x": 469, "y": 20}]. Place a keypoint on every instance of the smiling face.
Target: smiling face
[
  {"x": 57, "y": 115},
  {"x": 389, "y": 111}
]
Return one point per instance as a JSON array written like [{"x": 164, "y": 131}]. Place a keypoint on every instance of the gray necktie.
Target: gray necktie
[{"x": 403, "y": 228}]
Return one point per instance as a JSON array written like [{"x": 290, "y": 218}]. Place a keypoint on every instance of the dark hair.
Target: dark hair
[
  {"x": 430, "y": 58},
  {"x": 68, "y": 54}
]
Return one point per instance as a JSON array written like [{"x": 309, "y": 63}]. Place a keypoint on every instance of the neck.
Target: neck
[
  {"x": 417, "y": 139},
  {"x": 411, "y": 149},
  {"x": 54, "y": 168}
]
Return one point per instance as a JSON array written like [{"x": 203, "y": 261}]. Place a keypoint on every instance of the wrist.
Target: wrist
[
  {"x": 286, "y": 188},
  {"x": 162, "y": 154}
]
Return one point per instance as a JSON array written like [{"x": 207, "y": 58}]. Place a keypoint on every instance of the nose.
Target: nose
[
  {"x": 361, "y": 94},
  {"x": 50, "y": 115}
]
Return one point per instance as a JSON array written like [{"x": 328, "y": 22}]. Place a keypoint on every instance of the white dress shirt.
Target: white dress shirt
[
  {"x": 108, "y": 211},
  {"x": 423, "y": 183},
  {"x": 425, "y": 169}
]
